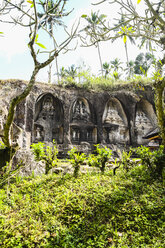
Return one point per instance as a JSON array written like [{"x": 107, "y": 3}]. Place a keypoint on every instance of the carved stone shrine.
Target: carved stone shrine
[{"x": 76, "y": 117}]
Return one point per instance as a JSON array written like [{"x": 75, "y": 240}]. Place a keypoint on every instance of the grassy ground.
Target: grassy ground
[{"x": 94, "y": 210}]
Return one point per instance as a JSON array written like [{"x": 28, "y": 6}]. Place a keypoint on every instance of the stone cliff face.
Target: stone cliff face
[{"x": 76, "y": 117}]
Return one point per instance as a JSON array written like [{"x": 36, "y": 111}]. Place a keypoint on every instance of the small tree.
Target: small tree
[
  {"x": 47, "y": 154},
  {"x": 77, "y": 159},
  {"x": 28, "y": 17},
  {"x": 101, "y": 157}
]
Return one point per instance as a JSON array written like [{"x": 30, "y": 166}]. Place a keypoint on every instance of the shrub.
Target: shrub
[
  {"x": 101, "y": 157},
  {"x": 76, "y": 159},
  {"x": 46, "y": 153},
  {"x": 153, "y": 160}
]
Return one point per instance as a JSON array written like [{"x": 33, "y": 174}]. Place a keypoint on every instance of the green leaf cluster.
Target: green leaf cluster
[
  {"x": 103, "y": 154},
  {"x": 153, "y": 160},
  {"x": 77, "y": 159},
  {"x": 46, "y": 153}
]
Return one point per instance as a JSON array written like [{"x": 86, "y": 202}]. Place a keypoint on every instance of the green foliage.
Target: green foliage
[
  {"x": 76, "y": 159},
  {"x": 126, "y": 159},
  {"x": 2, "y": 145},
  {"x": 101, "y": 157},
  {"x": 38, "y": 150},
  {"x": 46, "y": 153},
  {"x": 153, "y": 160},
  {"x": 143, "y": 62},
  {"x": 93, "y": 211},
  {"x": 7, "y": 173}
]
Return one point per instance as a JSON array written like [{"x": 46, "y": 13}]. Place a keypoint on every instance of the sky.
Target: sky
[{"x": 16, "y": 61}]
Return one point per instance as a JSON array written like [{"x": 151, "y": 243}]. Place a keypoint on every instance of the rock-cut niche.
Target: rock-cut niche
[
  {"x": 115, "y": 123},
  {"x": 49, "y": 119},
  {"x": 82, "y": 128},
  {"x": 145, "y": 121}
]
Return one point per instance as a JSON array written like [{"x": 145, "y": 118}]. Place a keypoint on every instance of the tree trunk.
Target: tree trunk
[
  {"x": 50, "y": 74},
  {"x": 13, "y": 104},
  {"x": 57, "y": 70},
  {"x": 126, "y": 51},
  {"x": 98, "y": 47}
]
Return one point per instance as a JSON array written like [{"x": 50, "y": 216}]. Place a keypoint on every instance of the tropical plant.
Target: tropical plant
[
  {"x": 93, "y": 30},
  {"x": 116, "y": 64},
  {"x": 53, "y": 19},
  {"x": 153, "y": 160},
  {"x": 106, "y": 69},
  {"x": 143, "y": 62},
  {"x": 46, "y": 153},
  {"x": 124, "y": 31},
  {"x": 77, "y": 159},
  {"x": 99, "y": 160},
  {"x": 71, "y": 71},
  {"x": 130, "y": 70}
]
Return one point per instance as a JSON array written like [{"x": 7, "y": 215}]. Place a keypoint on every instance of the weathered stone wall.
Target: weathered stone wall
[{"x": 77, "y": 117}]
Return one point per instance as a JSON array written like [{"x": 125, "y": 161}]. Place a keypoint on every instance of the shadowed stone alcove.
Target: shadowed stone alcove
[
  {"x": 82, "y": 127},
  {"x": 48, "y": 119},
  {"x": 115, "y": 124},
  {"x": 145, "y": 120}
]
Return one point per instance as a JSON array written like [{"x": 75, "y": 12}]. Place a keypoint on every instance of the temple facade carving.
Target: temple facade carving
[
  {"x": 145, "y": 121},
  {"x": 82, "y": 126},
  {"x": 74, "y": 117},
  {"x": 48, "y": 122},
  {"x": 115, "y": 123}
]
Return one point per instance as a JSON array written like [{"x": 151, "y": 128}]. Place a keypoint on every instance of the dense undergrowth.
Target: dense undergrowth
[{"x": 92, "y": 210}]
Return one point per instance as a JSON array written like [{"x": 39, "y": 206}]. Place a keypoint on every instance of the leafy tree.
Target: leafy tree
[
  {"x": 148, "y": 26},
  {"x": 26, "y": 14},
  {"x": 93, "y": 30},
  {"x": 143, "y": 62}
]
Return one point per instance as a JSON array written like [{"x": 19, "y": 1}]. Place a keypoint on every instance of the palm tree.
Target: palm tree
[
  {"x": 62, "y": 73},
  {"x": 71, "y": 71},
  {"x": 130, "y": 70},
  {"x": 116, "y": 64},
  {"x": 143, "y": 62},
  {"x": 93, "y": 29},
  {"x": 124, "y": 34},
  {"x": 106, "y": 69},
  {"x": 51, "y": 16}
]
